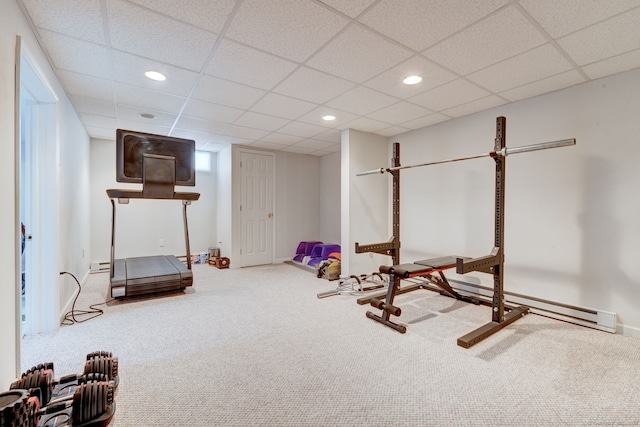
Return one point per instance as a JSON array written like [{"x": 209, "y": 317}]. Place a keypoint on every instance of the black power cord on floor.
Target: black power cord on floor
[{"x": 70, "y": 317}]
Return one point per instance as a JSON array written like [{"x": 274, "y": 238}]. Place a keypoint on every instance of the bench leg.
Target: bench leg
[{"x": 387, "y": 308}]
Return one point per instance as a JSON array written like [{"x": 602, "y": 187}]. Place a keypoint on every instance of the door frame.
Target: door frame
[
  {"x": 238, "y": 179},
  {"x": 42, "y": 300}
]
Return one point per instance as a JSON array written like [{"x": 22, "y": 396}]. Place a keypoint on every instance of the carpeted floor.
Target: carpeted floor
[{"x": 256, "y": 347}]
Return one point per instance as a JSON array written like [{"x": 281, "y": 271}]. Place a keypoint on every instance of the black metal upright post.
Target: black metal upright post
[
  {"x": 392, "y": 247},
  {"x": 498, "y": 273},
  {"x": 493, "y": 263}
]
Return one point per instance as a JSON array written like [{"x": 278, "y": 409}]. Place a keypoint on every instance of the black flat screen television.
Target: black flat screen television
[{"x": 131, "y": 146}]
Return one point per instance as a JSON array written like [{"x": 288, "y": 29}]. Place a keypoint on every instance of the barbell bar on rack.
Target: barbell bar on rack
[{"x": 502, "y": 153}]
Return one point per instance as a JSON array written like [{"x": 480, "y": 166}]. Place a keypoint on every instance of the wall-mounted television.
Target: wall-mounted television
[{"x": 131, "y": 147}]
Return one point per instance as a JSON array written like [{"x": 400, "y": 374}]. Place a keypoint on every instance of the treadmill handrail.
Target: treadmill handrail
[{"x": 137, "y": 194}]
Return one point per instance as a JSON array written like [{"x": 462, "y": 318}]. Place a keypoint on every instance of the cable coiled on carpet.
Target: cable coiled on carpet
[{"x": 70, "y": 316}]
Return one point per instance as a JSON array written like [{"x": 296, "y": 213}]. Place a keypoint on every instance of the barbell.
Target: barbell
[{"x": 501, "y": 153}]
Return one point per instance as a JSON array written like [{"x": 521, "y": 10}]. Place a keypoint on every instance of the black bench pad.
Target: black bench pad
[
  {"x": 441, "y": 262},
  {"x": 405, "y": 270}
]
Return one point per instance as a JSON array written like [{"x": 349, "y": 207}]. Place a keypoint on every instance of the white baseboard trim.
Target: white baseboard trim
[
  {"x": 282, "y": 260},
  {"x": 628, "y": 331}
]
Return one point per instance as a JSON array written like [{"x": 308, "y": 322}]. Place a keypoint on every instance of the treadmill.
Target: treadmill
[{"x": 160, "y": 163}]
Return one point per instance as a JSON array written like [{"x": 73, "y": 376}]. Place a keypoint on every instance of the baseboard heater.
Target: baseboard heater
[{"x": 592, "y": 318}]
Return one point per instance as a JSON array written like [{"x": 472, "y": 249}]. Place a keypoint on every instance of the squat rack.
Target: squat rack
[{"x": 490, "y": 264}]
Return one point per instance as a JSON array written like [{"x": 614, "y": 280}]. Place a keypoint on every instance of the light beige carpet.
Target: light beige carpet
[{"x": 256, "y": 347}]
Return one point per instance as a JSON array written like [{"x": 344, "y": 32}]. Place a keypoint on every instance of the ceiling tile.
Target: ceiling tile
[
  {"x": 235, "y": 62},
  {"x": 313, "y": 86},
  {"x": 560, "y": 18},
  {"x": 335, "y": 148},
  {"x": 244, "y": 132},
  {"x": 367, "y": 125},
  {"x": 390, "y": 82},
  {"x": 206, "y": 126},
  {"x": 315, "y": 144},
  {"x": 352, "y": 8},
  {"x": 449, "y": 95},
  {"x": 358, "y": 54},
  {"x": 145, "y": 33},
  {"x": 282, "y": 139},
  {"x": 331, "y": 135},
  {"x": 301, "y": 129},
  {"x": 605, "y": 39},
  {"x": 218, "y": 91},
  {"x": 81, "y": 19},
  {"x": 227, "y": 140},
  {"x": 407, "y": 20},
  {"x": 617, "y": 64},
  {"x": 83, "y": 104},
  {"x": 502, "y": 35},
  {"x": 426, "y": 121},
  {"x": 267, "y": 145},
  {"x": 345, "y": 57},
  {"x": 144, "y": 98},
  {"x": 282, "y": 106},
  {"x": 77, "y": 55},
  {"x": 209, "y": 111},
  {"x": 92, "y": 120},
  {"x": 293, "y": 29},
  {"x": 87, "y": 86},
  {"x": 316, "y": 117},
  {"x": 298, "y": 150},
  {"x": 207, "y": 14},
  {"x": 399, "y": 113},
  {"x": 143, "y": 127},
  {"x": 132, "y": 114},
  {"x": 261, "y": 121},
  {"x": 361, "y": 101},
  {"x": 201, "y": 138},
  {"x": 537, "y": 64},
  {"x": 130, "y": 69},
  {"x": 393, "y": 131},
  {"x": 481, "y": 104},
  {"x": 547, "y": 85}
]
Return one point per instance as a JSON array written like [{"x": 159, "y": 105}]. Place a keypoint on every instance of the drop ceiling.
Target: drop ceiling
[{"x": 263, "y": 73}]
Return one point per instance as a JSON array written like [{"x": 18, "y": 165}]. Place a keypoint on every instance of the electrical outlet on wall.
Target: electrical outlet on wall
[{"x": 161, "y": 243}]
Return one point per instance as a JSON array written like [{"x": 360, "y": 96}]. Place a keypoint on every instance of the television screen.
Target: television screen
[{"x": 131, "y": 146}]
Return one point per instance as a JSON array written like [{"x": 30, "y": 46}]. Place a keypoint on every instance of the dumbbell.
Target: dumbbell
[
  {"x": 92, "y": 405},
  {"x": 97, "y": 365},
  {"x": 100, "y": 366},
  {"x": 16, "y": 409}
]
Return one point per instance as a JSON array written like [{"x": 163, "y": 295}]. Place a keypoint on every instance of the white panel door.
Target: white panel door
[{"x": 256, "y": 209}]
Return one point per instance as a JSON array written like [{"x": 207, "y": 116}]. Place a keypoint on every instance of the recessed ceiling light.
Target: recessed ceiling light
[
  {"x": 328, "y": 117},
  {"x": 154, "y": 75},
  {"x": 147, "y": 115},
  {"x": 412, "y": 80}
]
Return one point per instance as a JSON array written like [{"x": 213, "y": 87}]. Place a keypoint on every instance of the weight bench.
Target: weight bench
[{"x": 424, "y": 269}]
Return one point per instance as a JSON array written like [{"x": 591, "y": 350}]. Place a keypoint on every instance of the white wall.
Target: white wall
[
  {"x": 364, "y": 200},
  {"x": 297, "y": 202},
  {"x": 71, "y": 175},
  {"x": 141, "y": 224},
  {"x": 572, "y": 226},
  {"x": 73, "y": 201},
  {"x": 224, "y": 205},
  {"x": 330, "y": 198}
]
